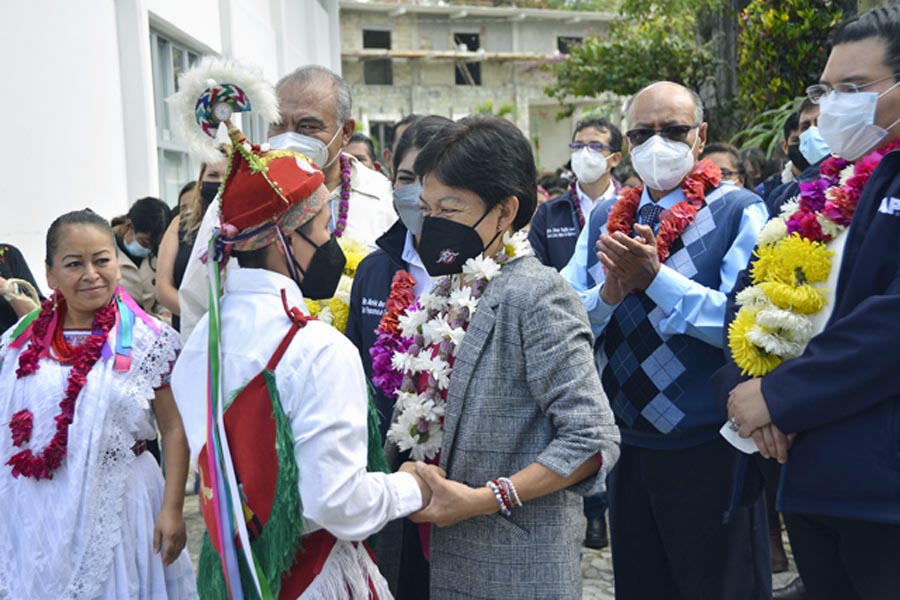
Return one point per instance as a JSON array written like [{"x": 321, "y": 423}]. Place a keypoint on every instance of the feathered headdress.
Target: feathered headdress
[{"x": 210, "y": 93}]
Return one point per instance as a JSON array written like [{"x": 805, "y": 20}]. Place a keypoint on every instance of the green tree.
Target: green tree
[
  {"x": 782, "y": 50},
  {"x": 651, "y": 41}
]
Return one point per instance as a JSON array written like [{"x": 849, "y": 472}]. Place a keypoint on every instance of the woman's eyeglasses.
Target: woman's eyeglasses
[{"x": 676, "y": 133}]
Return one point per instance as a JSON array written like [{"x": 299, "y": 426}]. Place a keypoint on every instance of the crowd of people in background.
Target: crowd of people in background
[{"x": 628, "y": 338}]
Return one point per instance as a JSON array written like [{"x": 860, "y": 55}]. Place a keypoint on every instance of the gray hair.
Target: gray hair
[
  {"x": 310, "y": 74},
  {"x": 698, "y": 102}
]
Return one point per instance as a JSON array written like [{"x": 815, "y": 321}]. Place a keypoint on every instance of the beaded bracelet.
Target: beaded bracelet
[
  {"x": 504, "y": 509},
  {"x": 510, "y": 490}
]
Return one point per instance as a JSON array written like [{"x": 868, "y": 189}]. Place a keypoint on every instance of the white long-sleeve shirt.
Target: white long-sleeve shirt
[{"x": 323, "y": 392}]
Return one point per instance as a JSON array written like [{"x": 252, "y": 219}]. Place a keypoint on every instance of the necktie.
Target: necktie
[{"x": 649, "y": 214}]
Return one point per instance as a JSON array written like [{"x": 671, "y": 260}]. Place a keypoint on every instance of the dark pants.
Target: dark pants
[
  {"x": 595, "y": 506},
  {"x": 771, "y": 472},
  {"x": 668, "y": 540},
  {"x": 845, "y": 559}
]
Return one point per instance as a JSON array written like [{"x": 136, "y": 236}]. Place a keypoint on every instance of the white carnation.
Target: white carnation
[
  {"x": 410, "y": 321},
  {"x": 462, "y": 298},
  {"x": 846, "y": 174},
  {"x": 790, "y": 207},
  {"x": 829, "y": 227},
  {"x": 481, "y": 267},
  {"x": 753, "y": 296},
  {"x": 403, "y": 362},
  {"x": 774, "y": 231},
  {"x": 792, "y": 327},
  {"x": 774, "y": 343}
]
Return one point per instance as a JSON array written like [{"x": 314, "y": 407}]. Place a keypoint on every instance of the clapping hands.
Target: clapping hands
[{"x": 631, "y": 263}]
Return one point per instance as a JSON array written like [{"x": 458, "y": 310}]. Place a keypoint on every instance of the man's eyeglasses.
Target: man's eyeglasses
[
  {"x": 676, "y": 133},
  {"x": 595, "y": 146},
  {"x": 816, "y": 92},
  {"x": 728, "y": 174}
]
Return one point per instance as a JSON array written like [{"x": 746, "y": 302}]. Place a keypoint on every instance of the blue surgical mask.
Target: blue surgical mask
[
  {"x": 813, "y": 146},
  {"x": 135, "y": 249},
  {"x": 406, "y": 201}
]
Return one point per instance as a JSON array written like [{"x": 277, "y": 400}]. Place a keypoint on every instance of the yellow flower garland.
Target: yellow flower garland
[
  {"x": 335, "y": 311},
  {"x": 752, "y": 360}
]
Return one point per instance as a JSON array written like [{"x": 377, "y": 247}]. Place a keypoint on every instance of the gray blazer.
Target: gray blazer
[{"x": 524, "y": 388}]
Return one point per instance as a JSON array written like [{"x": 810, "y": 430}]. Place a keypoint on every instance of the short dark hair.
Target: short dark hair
[
  {"x": 361, "y": 137},
  {"x": 150, "y": 215},
  {"x": 487, "y": 156},
  {"x": 725, "y": 148},
  {"x": 791, "y": 124},
  {"x": 392, "y": 133},
  {"x": 78, "y": 217},
  {"x": 882, "y": 22},
  {"x": 256, "y": 259},
  {"x": 186, "y": 188},
  {"x": 805, "y": 106},
  {"x": 417, "y": 135},
  {"x": 615, "y": 135}
]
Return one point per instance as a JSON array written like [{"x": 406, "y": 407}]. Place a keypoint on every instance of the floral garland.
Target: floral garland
[
  {"x": 674, "y": 221},
  {"x": 422, "y": 338},
  {"x": 42, "y": 465},
  {"x": 335, "y": 311},
  {"x": 344, "y": 206},
  {"x": 773, "y": 323},
  {"x": 573, "y": 194}
]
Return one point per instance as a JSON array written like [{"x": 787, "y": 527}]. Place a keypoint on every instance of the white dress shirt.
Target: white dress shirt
[
  {"x": 371, "y": 207},
  {"x": 587, "y": 205},
  {"x": 416, "y": 266},
  {"x": 323, "y": 392}
]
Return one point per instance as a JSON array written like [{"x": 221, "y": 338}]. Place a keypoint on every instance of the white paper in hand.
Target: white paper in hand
[{"x": 746, "y": 445}]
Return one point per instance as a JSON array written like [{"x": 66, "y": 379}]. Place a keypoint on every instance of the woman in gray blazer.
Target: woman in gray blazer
[{"x": 524, "y": 401}]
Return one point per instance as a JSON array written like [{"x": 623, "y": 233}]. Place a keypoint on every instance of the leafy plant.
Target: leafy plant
[
  {"x": 781, "y": 49},
  {"x": 765, "y": 130},
  {"x": 653, "y": 41},
  {"x": 487, "y": 108}
]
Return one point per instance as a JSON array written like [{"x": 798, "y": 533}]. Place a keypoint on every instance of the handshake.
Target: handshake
[{"x": 446, "y": 502}]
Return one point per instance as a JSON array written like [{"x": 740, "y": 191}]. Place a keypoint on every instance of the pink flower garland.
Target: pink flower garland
[
  {"x": 344, "y": 206},
  {"x": 50, "y": 458},
  {"x": 827, "y": 197}
]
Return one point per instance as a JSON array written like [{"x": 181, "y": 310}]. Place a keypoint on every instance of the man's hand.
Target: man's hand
[
  {"x": 633, "y": 262},
  {"x": 451, "y": 502},
  {"x": 410, "y": 467},
  {"x": 772, "y": 443},
  {"x": 747, "y": 407}
]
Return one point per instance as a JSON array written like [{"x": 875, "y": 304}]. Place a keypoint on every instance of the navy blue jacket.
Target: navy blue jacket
[
  {"x": 842, "y": 396},
  {"x": 786, "y": 191},
  {"x": 554, "y": 230},
  {"x": 370, "y": 291}
]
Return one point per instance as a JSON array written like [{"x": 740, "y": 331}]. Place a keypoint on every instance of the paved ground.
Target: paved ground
[{"x": 596, "y": 564}]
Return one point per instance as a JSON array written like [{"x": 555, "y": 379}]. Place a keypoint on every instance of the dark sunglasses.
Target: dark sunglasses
[{"x": 676, "y": 133}]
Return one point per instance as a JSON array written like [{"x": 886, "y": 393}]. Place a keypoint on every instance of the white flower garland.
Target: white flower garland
[{"x": 436, "y": 325}]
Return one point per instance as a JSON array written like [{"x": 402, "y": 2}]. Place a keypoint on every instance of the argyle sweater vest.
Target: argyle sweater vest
[{"x": 658, "y": 383}]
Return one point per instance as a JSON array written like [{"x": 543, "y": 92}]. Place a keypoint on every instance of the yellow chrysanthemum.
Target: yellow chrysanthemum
[
  {"x": 355, "y": 252},
  {"x": 313, "y": 306},
  {"x": 340, "y": 312},
  {"x": 793, "y": 260},
  {"x": 752, "y": 360},
  {"x": 803, "y": 299}
]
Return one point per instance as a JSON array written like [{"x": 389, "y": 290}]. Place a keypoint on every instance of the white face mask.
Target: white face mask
[
  {"x": 662, "y": 163},
  {"x": 847, "y": 122},
  {"x": 589, "y": 165},
  {"x": 312, "y": 148}
]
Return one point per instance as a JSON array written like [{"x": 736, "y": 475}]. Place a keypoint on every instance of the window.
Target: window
[
  {"x": 176, "y": 167},
  {"x": 379, "y": 71},
  {"x": 564, "y": 43},
  {"x": 467, "y": 73}
]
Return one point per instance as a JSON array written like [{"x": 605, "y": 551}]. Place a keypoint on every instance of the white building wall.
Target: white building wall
[{"x": 78, "y": 94}]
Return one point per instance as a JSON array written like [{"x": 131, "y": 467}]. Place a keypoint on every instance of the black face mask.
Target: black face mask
[
  {"x": 208, "y": 191},
  {"x": 321, "y": 278},
  {"x": 446, "y": 245},
  {"x": 797, "y": 158}
]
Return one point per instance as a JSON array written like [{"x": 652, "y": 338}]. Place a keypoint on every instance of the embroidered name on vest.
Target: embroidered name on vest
[
  {"x": 372, "y": 306},
  {"x": 890, "y": 206},
  {"x": 561, "y": 232}
]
